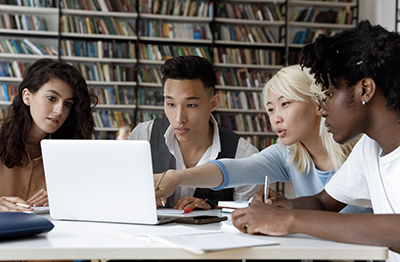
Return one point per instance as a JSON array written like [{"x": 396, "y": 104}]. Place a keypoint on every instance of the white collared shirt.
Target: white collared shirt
[{"x": 244, "y": 149}]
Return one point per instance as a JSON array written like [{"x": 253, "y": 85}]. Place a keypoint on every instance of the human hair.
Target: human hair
[
  {"x": 190, "y": 68},
  {"x": 365, "y": 51},
  {"x": 296, "y": 83},
  {"x": 15, "y": 126}
]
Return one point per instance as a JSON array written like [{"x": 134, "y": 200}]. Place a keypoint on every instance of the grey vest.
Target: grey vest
[{"x": 163, "y": 159}]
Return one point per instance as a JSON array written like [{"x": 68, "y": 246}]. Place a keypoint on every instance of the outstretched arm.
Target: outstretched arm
[{"x": 207, "y": 175}]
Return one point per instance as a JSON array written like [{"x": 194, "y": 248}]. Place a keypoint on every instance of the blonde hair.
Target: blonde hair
[{"x": 295, "y": 83}]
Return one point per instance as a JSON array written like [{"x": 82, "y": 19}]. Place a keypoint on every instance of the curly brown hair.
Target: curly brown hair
[
  {"x": 16, "y": 125},
  {"x": 365, "y": 51}
]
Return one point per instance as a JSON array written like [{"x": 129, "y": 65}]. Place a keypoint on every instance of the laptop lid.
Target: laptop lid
[{"x": 100, "y": 180}]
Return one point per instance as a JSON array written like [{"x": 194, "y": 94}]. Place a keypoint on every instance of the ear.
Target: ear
[
  {"x": 214, "y": 102},
  {"x": 368, "y": 89},
  {"x": 26, "y": 96}
]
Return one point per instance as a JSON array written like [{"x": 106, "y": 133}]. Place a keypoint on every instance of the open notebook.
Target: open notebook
[
  {"x": 100, "y": 180},
  {"x": 198, "y": 241}
]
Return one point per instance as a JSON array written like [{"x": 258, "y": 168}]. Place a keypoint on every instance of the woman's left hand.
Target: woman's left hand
[{"x": 39, "y": 199}]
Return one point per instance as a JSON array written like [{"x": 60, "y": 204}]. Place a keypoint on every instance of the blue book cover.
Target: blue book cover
[
  {"x": 16, "y": 45},
  {"x": 5, "y": 92}
]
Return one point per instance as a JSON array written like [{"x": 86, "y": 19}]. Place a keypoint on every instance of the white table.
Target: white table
[{"x": 90, "y": 240}]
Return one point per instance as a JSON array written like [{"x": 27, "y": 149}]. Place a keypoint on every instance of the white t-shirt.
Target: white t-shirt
[
  {"x": 369, "y": 179},
  {"x": 244, "y": 149}
]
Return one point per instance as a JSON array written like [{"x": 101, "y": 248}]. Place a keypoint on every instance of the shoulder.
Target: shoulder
[
  {"x": 245, "y": 149},
  {"x": 142, "y": 131}
]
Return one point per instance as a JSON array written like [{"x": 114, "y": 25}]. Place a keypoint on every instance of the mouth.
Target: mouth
[
  {"x": 281, "y": 132},
  {"x": 53, "y": 120},
  {"x": 181, "y": 130}
]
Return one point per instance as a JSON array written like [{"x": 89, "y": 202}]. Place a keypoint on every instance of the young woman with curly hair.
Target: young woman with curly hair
[{"x": 53, "y": 101}]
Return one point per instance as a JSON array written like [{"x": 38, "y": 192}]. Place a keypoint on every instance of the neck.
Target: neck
[
  {"x": 193, "y": 151},
  {"x": 319, "y": 154},
  {"x": 385, "y": 130}
]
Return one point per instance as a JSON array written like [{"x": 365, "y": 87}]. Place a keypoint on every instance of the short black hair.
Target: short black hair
[
  {"x": 365, "y": 51},
  {"x": 190, "y": 68}
]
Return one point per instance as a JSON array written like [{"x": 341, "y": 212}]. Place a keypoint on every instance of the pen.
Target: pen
[
  {"x": 159, "y": 181},
  {"x": 187, "y": 210},
  {"x": 266, "y": 188},
  {"x": 22, "y": 205}
]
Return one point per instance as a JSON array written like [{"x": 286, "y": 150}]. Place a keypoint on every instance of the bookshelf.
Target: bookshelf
[
  {"x": 397, "y": 17},
  {"x": 119, "y": 46},
  {"x": 27, "y": 33},
  {"x": 308, "y": 19}
]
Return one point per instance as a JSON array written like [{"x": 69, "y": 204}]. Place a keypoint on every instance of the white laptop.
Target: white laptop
[{"x": 100, "y": 180}]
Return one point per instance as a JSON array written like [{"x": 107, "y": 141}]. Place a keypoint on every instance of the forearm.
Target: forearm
[
  {"x": 321, "y": 201},
  {"x": 207, "y": 175},
  {"x": 366, "y": 229}
]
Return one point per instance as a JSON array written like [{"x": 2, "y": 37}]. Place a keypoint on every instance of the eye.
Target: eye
[
  {"x": 68, "y": 104},
  {"x": 191, "y": 105},
  {"x": 285, "y": 104},
  {"x": 170, "y": 104},
  {"x": 270, "y": 110},
  {"x": 51, "y": 98}
]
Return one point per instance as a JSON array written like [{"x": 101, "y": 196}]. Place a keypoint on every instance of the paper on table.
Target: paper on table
[
  {"x": 233, "y": 204},
  {"x": 212, "y": 240},
  {"x": 196, "y": 240}
]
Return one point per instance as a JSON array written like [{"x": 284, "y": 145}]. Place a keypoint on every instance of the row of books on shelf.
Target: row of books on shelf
[
  {"x": 8, "y": 92},
  {"x": 13, "y": 69},
  {"x": 101, "y": 5},
  {"x": 159, "y": 28},
  {"x": 245, "y": 33},
  {"x": 107, "y": 72},
  {"x": 106, "y": 25},
  {"x": 312, "y": 15},
  {"x": 250, "y": 11},
  {"x": 110, "y": 118},
  {"x": 261, "y": 142},
  {"x": 151, "y": 97},
  {"x": 106, "y": 135},
  {"x": 147, "y": 74},
  {"x": 144, "y": 116},
  {"x": 164, "y": 52},
  {"x": 30, "y": 3},
  {"x": 242, "y": 77},
  {"x": 115, "y": 95},
  {"x": 189, "y": 8},
  {"x": 26, "y": 46},
  {"x": 247, "y": 56},
  {"x": 23, "y": 22},
  {"x": 240, "y": 100},
  {"x": 98, "y": 49},
  {"x": 308, "y": 35},
  {"x": 245, "y": 122}
]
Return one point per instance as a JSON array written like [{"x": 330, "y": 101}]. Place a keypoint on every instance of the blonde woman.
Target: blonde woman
[{"x": 305, "y": 154}]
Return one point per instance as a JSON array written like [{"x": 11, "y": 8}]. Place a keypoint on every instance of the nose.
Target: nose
[
  {"x": 324, "y": 112},
  {"x": 180, "y": 115},
  {"x": 276, "y": 118},
  {"x": 58, "y": 109}
]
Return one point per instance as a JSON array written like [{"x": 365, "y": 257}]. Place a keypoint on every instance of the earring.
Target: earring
[{"x": 363, "y": 103}]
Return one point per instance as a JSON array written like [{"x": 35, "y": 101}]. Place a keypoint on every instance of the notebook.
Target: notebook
[
  {"x": 100, "y": 180},
  {"x": 198, "y": 241}
]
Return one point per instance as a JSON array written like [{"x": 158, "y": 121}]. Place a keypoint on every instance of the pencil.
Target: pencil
[
  {"x": 159, "y": 181},
  {"x": 22, "y": 205}
]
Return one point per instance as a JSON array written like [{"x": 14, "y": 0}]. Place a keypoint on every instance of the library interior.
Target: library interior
[{"x": 120, "y": 47}]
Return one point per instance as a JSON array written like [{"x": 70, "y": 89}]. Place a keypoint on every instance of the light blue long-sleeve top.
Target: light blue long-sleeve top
[{"x": 273, "y": 161}]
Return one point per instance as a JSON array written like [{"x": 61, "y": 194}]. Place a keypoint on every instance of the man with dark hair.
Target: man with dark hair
[{"x": 190, "y": 136}]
